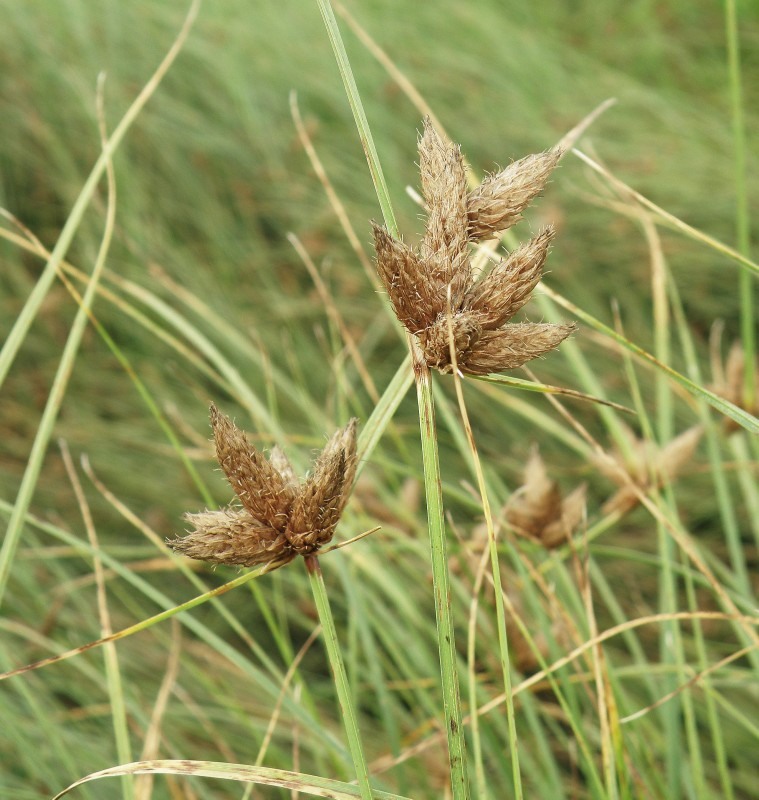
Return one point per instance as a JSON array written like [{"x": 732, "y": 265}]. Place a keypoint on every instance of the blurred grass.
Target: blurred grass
[
  {"x": 212, "y": 176},
  {"x": 210, "y": 180}
]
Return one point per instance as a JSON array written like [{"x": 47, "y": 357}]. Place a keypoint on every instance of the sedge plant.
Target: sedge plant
[{"x": 611, "y": 635}]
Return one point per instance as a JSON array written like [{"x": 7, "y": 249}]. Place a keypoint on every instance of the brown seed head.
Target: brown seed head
[
  {"x": 538, "y": 510},
  {"x": 433, "y": 289},
  {"x": 281, "y": 517},
  {"x": 647, "y": 467}
]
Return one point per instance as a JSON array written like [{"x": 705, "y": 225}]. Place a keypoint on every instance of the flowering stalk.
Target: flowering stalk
[
  {"x": 482, "y": 215},
  {"x": 342, "y": 684},
  {"x": 279, "y": 518},
  {"x": 455, "y": 321},
  {"x": 449, "y": 673}
]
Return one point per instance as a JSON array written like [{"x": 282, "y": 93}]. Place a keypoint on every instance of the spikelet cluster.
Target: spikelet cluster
[
  {"x": 418, "y": 280},
  {"x": 646, "y": 466},
  {"x": 279, "y": 517},
  {"x": 538, "y": 509}
]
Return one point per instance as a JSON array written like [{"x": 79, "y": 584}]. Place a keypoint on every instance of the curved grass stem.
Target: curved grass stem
[{"x": 494, "y": 564}]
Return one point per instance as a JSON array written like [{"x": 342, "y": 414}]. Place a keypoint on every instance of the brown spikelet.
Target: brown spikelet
[
  {"x": 231, "y": 536},
  {"x": 507, "y": 287},
  {"x": 498, "y": 202},
  {"x": 282, "y": 465},
  {"x": 647, "y": 467},
  {"x": 444, "y": 246},
  {"x": 414, "y": 302},
  {"x": 323, "y": 495},
  {"x": 281, "y": 517},
  {"x": 537, "y": 509},
  {"x": 435, "y": 340},
  {"x": 573, "y": 509},
  {"x": 260, "y": 487},
  {"x": 433, "y": 290},
  {"x": 513, "y": 345}
]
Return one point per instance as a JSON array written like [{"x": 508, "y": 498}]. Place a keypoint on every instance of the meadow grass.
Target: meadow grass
[{"x": 220, "y": 252}]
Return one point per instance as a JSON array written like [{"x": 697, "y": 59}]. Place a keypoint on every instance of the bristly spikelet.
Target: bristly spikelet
[
  {"x": 281, "y": 517},
  {"x": 323, "y": 495},
  {"x": 498, "y": 202},
  {"x": 508, "y": 286},
  {"x": 261, "y": 488},
  {"x": 444, "y": 246},
  {"x": 418, "y": 281}
]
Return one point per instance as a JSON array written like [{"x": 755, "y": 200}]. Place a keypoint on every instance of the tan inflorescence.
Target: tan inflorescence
[
  {"x": 476, "y": 316},
  {"x": 646, "y": 466},
  {"x": 538, "y": 509},
  {"x": 280, "y": 517}
]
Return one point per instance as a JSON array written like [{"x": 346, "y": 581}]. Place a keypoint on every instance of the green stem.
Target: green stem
[
  {"x": 503, "y": 640},
  {"x": 354, "y": 99},
  {"x": 440, "y": 582},
  {"x": 742, "y": 218},
  {"x": 432, "y": 483},
  {"x": 341, "y": 678}
]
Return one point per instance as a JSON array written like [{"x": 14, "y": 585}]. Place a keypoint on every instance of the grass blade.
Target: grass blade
[
  {"x": 743, "y": 418},
  {"x": 341, "y": 678},
  {"x": 742, "y": 217}
]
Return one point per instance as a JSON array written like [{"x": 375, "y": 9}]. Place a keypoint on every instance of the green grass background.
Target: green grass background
[{"x": 210, "y": 179}]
